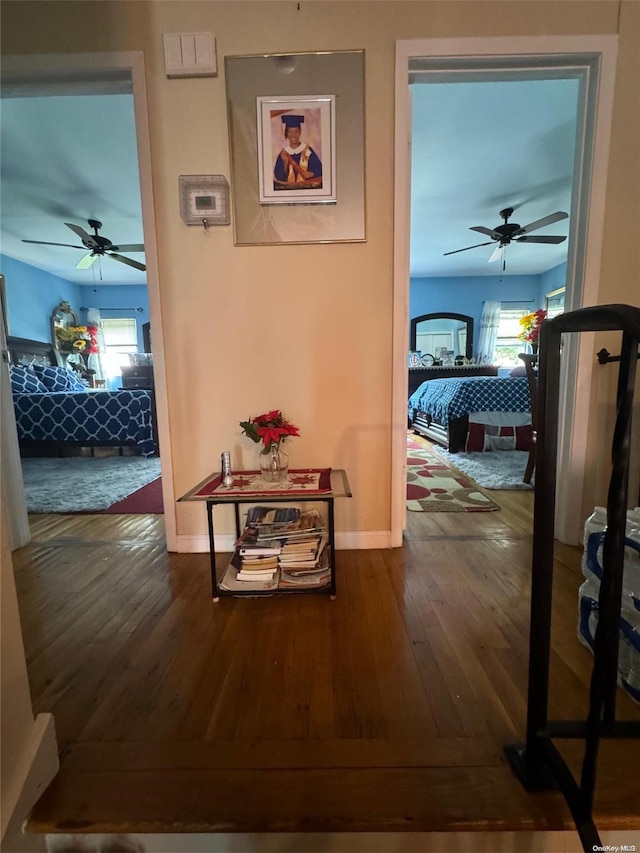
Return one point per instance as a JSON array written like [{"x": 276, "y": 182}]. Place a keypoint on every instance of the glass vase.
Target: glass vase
[{"x": 274, "y": 464}]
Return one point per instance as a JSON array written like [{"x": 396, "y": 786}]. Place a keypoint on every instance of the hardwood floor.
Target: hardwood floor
[{"x": 384, "y": 710}]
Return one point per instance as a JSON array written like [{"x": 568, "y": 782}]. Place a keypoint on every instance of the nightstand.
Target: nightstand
[{"x": 138, "y": 376}]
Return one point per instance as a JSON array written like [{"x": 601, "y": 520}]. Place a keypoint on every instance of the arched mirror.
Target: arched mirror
[
  {"x": 63, "y": 320},
  {"x": 441, "y": 334}
]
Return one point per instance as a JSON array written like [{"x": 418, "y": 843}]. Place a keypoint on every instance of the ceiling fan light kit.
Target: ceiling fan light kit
[
  {"x": 509, "y": 232},
  {"x": 98, "y": 246}
]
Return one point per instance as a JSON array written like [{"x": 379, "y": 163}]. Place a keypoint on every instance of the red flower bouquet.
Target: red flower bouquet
[
  {"x": 92, "y": 343},
  {"x": 271, "y": 428}
]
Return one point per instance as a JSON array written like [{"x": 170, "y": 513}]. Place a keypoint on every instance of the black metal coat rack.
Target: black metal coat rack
[{"x": 538, "y": 763}]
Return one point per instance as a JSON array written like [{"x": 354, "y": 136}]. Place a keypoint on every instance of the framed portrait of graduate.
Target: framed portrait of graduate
[
  {"x": 296, "y": 149},
  {"x": 297, "y": 145}
]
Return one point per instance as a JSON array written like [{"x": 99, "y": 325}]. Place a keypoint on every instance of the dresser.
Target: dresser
[{"x": 418, "y": 375}]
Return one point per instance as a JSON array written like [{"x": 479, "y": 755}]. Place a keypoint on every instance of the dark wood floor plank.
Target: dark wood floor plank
[
  {"x": 401, "y": 691},
  {"x": 211, "y": 714},
  {"x": 358, "y": 707},
  {"x": 418, "y": 618},
  {"x": 285, "y": 753},
  {"x": 322, "y": 693},
  {"x": 352, "y": 800},
  {"x": 260, "y": 698}
]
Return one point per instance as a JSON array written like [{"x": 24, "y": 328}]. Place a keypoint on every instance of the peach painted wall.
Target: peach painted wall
[{"x": 308, "y": 328}]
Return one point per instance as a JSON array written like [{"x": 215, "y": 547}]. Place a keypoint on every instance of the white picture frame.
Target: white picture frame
[{"x": 308, "y": 178}]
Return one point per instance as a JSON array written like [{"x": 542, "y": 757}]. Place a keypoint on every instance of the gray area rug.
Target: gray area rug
[
  {"x": 84, "y": 484},
  {"x": 495, "y": 469}
]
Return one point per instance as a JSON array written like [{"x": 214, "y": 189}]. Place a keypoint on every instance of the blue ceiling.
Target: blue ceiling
[
  {"x": 479, "y": 147},
  {"x": 70, "y": 159}
]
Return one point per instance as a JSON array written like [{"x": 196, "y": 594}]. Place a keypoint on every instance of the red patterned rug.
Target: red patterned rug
[{"x": 432, "y": 486}]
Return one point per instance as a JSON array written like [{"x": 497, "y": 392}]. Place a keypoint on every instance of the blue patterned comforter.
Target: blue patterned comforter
[
  {"x": 90, "y": 418},
  {"x": 445, "y": 399}
]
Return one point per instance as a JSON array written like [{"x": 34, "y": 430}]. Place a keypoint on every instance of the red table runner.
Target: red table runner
[{"x": 303, "y": 481}]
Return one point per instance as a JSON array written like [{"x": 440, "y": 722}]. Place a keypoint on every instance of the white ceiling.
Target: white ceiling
[
  {"x": 70, "y": 159},
  {"x": 477, "y": 148}
]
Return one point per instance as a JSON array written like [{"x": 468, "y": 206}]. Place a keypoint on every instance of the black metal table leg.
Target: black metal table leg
[
  {"x": 212, "y": 553},
  {"x": 332, "y": 549}
]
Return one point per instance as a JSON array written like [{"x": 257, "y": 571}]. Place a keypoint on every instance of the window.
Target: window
[
  {"x": 508, "y": 344},
  {"x": 120, "y": 338},
  {"x": 554, "y": 302}
]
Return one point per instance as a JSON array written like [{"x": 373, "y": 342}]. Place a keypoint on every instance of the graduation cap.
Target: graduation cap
[{"x": 291, "y": 121}]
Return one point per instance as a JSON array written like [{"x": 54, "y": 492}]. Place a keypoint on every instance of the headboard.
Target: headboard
[{"x": 24, "y": 351}]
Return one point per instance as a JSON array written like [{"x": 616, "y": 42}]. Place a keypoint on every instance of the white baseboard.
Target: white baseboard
[
  {"x": 349, "y": 541},
  {"x": 365, "y": 540}
]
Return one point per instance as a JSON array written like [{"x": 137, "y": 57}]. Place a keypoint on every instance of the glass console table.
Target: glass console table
[{"x": 308, "y": 485}]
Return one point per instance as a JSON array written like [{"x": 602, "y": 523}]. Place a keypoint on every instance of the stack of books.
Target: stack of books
[
  {"x": 283, "y": 547},
  {"x": 304, "y": 561},
  {"x": 254, "y": 569}
]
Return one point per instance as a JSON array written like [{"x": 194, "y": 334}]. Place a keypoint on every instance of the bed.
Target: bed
[
  {"x": 458, "y": 412},
  {"x": 54, "y": 409}
]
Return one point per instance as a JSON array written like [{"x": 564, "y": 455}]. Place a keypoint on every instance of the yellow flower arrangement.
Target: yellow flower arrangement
[
  {"x": 531, "y": 325},
  {"x": 73, "y": 338}
]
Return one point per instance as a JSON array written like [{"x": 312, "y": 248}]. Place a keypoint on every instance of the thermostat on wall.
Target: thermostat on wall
[{"x": 204, "y": 200}]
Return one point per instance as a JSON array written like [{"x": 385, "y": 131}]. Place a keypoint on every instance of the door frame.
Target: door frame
[
  {"x": 593, "y": 59},
  {"x": 85, "y": 72}
]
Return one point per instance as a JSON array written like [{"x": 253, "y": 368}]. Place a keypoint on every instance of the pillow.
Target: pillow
[
  {"x": 519, "y": 371},
  {"x": 482, "y": 437},
  {"x": 75, "y": 382},
  {"x": 60, "y": 379},
  {"x": 25, "y": 381}
]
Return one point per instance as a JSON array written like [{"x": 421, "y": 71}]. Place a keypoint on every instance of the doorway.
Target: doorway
[
  {"x": 103, "y": 72},
  {"x": 592, "y": 61}
]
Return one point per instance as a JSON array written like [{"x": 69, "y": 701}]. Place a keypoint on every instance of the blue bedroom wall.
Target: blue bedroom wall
[
  {"x": 32, "y": 294},
  {"x": 118, "y": 300},
  {"x": 467, "y": 295}
]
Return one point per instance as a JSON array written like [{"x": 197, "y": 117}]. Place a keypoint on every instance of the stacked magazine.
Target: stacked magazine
[{"x": 280, "y": 548}]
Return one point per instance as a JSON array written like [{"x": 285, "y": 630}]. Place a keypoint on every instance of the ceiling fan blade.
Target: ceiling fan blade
[
  {"x": 46, "y": 243},
  {"x": 128, "y": 261},
  {"x": 526, "y": 239},
  {"x": 86, "y": 262},
  {"x": 130, "y": 247},
  {"x": 540, "y": 223},
  {"x": 82, "y": 234},
  {"x": 488, "y": 231},
  {"x": 455, "y": 251}
]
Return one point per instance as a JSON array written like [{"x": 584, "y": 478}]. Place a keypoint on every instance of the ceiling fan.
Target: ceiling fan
[
  {"x": 504, "y": 234},
  {"x": 98, "y": 246}
]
